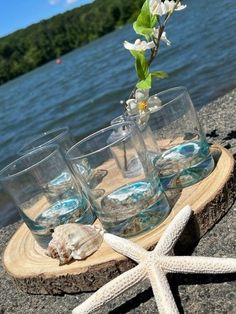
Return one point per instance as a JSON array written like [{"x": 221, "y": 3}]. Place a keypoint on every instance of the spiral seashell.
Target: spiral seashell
[{"x": 74, "y": 241}]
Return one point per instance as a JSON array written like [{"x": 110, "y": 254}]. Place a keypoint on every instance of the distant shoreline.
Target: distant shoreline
[{"x": 34, "y": 46}]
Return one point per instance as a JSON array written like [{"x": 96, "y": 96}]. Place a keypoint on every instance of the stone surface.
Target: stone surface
[{"x": 193, "y": 294}]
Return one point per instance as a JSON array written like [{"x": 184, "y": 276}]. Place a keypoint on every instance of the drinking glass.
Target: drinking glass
[
  {"x": 183, "y": 157},
  {"x": 60, "y": 136},
  {"x": 132, "y": 201},
  {"x": 65, "y": 140},
  {"x": 45, "y": 192}
]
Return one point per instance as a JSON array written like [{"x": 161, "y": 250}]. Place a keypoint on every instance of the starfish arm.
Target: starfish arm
[
  {"x": 198, "y": 264},
  {"x": 111, "y": 290},
  {"x": 125, "y": 247},
  {"x": 173, "y": 231},
  {"x": 161, "y": 290}
]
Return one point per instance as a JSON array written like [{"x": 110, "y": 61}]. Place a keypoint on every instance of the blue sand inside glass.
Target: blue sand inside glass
[
  {"x": 76, "y": 210},
  {"x": 61, "y": 179},
  {"x": 60, "y": 212},
  {"x": 133, "y": 208},
  {"x": 61, "y": 187},
  {"x": 184, "y": 165}
]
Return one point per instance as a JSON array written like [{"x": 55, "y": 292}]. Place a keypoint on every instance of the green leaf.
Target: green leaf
[
  {"x": 159, "y": 74},
  {"x": 145, "y": 21},
  {"x": 147, "y": 32},
  {"x": 145, "y": 84},
  {"x": 141, "y": 64}
]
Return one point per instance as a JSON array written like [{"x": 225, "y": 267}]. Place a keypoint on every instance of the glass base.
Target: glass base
[
  {"x": 133, "y": 209},
  {"x": 184, "y": 165},
  {"x": 73, "y": 210}
]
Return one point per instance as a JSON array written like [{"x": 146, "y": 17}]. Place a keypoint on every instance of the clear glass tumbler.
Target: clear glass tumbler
[
  {"x": 60, "y": 136},
  {"x": 183, "y": 157},
  {"x": 45, "y": 192},
  {"x": 131, "y": 201}
]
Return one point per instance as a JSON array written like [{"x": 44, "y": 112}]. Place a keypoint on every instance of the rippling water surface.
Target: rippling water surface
[{"x": 84, "y": 92}]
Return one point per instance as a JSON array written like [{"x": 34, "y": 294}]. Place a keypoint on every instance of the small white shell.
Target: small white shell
[{"x": 74, "y": 241}]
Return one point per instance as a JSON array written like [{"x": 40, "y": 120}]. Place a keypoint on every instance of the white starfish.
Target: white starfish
[{"x": 155, "y": 265}]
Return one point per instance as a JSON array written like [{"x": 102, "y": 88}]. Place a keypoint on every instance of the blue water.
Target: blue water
[{"x": 84, "y": 92}]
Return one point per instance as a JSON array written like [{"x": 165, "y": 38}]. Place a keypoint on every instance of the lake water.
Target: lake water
[{"x": 84, "y": 92}]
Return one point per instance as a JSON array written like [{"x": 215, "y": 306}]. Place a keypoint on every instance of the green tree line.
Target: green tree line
[{"x": 26, "y": 49}]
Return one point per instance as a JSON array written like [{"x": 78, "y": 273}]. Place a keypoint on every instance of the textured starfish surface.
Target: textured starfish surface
[{"x": 155, "y": 265}]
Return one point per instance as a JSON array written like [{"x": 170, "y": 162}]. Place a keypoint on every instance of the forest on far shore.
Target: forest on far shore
[{"x": 26, "y": 49}]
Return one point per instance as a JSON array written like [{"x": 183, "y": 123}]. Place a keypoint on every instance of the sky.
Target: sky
[{"x": 17, "y": 14}]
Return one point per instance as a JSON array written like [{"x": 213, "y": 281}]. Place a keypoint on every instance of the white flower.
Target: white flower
[
  {"x": 157, "y": 7},
  {"x": 140, "y": 106},
  {"x": 142, "y": 94},
  {"x": 180, "y": 7},
  {"x": 139, "y": 103},
  {"x": 131, "y": 105},
  {"x": 163, "y": 36},
  {"x": 139, "y": 45}
]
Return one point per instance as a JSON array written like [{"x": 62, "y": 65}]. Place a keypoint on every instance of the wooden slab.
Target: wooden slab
[{"x": 36, "y": 273}]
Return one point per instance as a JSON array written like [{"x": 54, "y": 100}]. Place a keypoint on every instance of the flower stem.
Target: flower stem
[
  {"x": 155, "y": 50},
  {"x": 125, "y": 157}
]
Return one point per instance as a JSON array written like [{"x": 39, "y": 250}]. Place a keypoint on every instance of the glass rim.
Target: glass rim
[
  {"x": 93, "y": 135},
  {"x": 121, "y": 117},
  {"x": 6, "y": 177},
  {"x": 62, "y": 130},
  {"x": 182, "y": 90}
]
